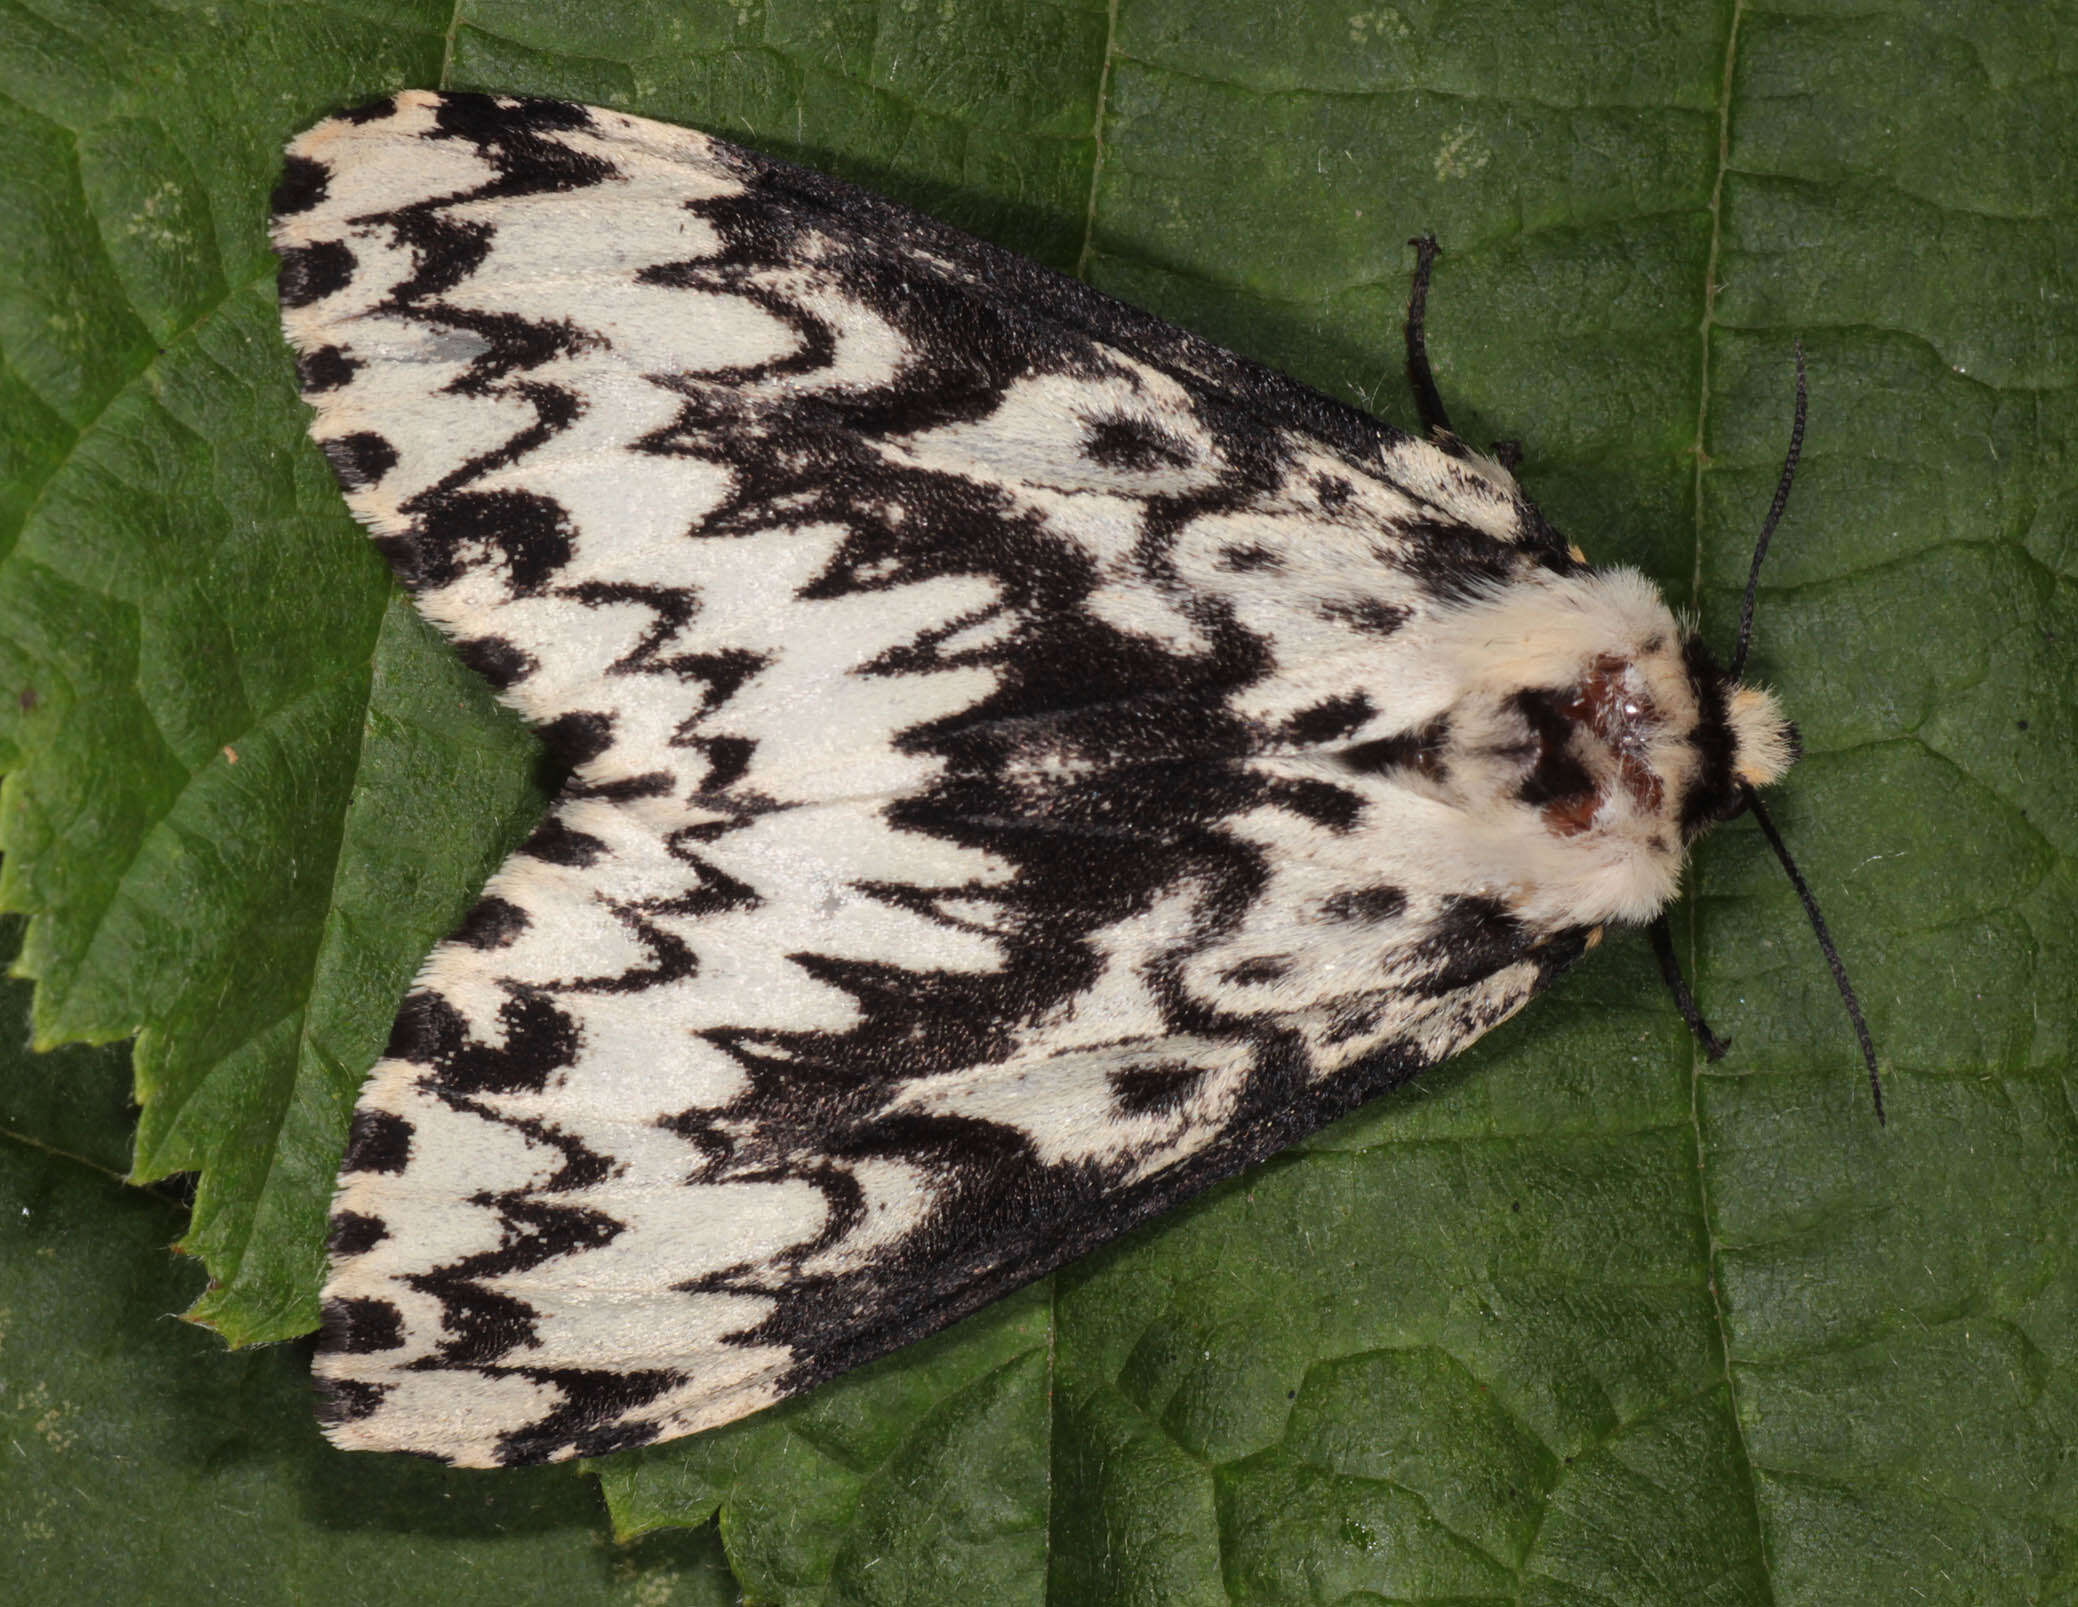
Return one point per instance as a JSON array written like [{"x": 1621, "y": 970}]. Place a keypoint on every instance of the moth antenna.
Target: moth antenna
[
  {"x": 1670, "y": 969},
  {"x": 1428, "y": 401},
  {"x": 1760, "y": 548},
  {"x": 1825, "y": 942}
]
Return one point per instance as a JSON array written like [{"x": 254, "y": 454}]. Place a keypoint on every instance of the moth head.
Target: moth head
[
  {"x": 1764, "y": 743},
  {"x": 1609, "y": 739},
  {"x": 1742, "y": 740},
  {"x": 1745, "y": 743}
]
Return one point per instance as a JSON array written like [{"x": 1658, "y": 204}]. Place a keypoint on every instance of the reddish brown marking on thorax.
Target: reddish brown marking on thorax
[
  {"x": 1571, "y": 815},
  {"x": 1625, "y": 721}
]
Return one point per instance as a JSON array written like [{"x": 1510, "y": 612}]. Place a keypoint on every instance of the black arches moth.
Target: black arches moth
[{"x": 1028, "y": 764}]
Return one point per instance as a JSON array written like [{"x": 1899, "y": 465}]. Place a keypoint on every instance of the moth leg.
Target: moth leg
[
  {"x": 1508, "y": 454},
  {"x": 1670, "y": 968},
  {"x": 1428, "y": 403}
]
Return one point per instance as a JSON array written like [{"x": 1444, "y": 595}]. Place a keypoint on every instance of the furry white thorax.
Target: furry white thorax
[{"x": 1607, "y": 640}]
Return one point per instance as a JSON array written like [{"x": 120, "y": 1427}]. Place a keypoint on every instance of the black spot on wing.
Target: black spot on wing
[
  {"x": 346, "y": 1400},
  {"x": 482, "y": 1325},
  {"x": 510, "y": 131},
  {"x": 1262, "y": 968},
  {"x": 719, "y": 672},
  {"x": 1367, "y": 615},
  {"x": 444, "y": 250},
  {"x": 580, "y": 1166},
  {"x": 311, "y": 273},
  {"x": 592, "y": 1415},
  {"x": 1321, "y": 802},
  {"x": 716, "y": 891},
  {"x": 723, "y": 673},
  {"x": 579, "y": 737},
  {"x": 301, "y": 186},
  {"x": 528, "y": 536},
  {"x": 539, "y": 1230},
  {"x": 377, "y": 1140},
  {"x": 357, "y": 1327},
  {"x": 1329, "y": 720},
  {"x": 538, "y": 1040},
  {"x": 352, "y": 1233},
  {"x": 1366, "y": 904},
  {"x": 1134, "y": 445},
  {"x": 556, "y": 843},
  {"x": 498, "y": 661},
  {"x": 728, "y": 759},
  {"x": 325, "y": 369},
  {"x": 1247, "y": 557},
  {"x": 373, "y": 111},
  {"x": 361, "y": 459},
  {"x": 494, "y": 923},
  {"x": 1358, "y": 1018},
  {"x": 1470, "y": 940},
  {"x": 622, "y": 789},
  {"x": 403, "y": 555},
  {"x": 1454, "y": 561},
  {"x": 1154, "y": 1088},
  {"x": 425, "y": 1022}
]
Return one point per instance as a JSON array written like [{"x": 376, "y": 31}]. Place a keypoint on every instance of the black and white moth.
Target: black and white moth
[{"x": 1027, "y": 764}]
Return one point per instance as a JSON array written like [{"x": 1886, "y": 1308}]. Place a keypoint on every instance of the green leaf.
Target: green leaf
[{"x": 1580, "y": 1318}]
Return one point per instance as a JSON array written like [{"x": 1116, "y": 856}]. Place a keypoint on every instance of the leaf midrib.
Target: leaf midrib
[{"x": 1696, "y": 1063}]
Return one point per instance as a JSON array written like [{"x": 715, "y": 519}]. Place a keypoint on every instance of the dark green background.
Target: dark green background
[{"x": 1580, "y": 1320}]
